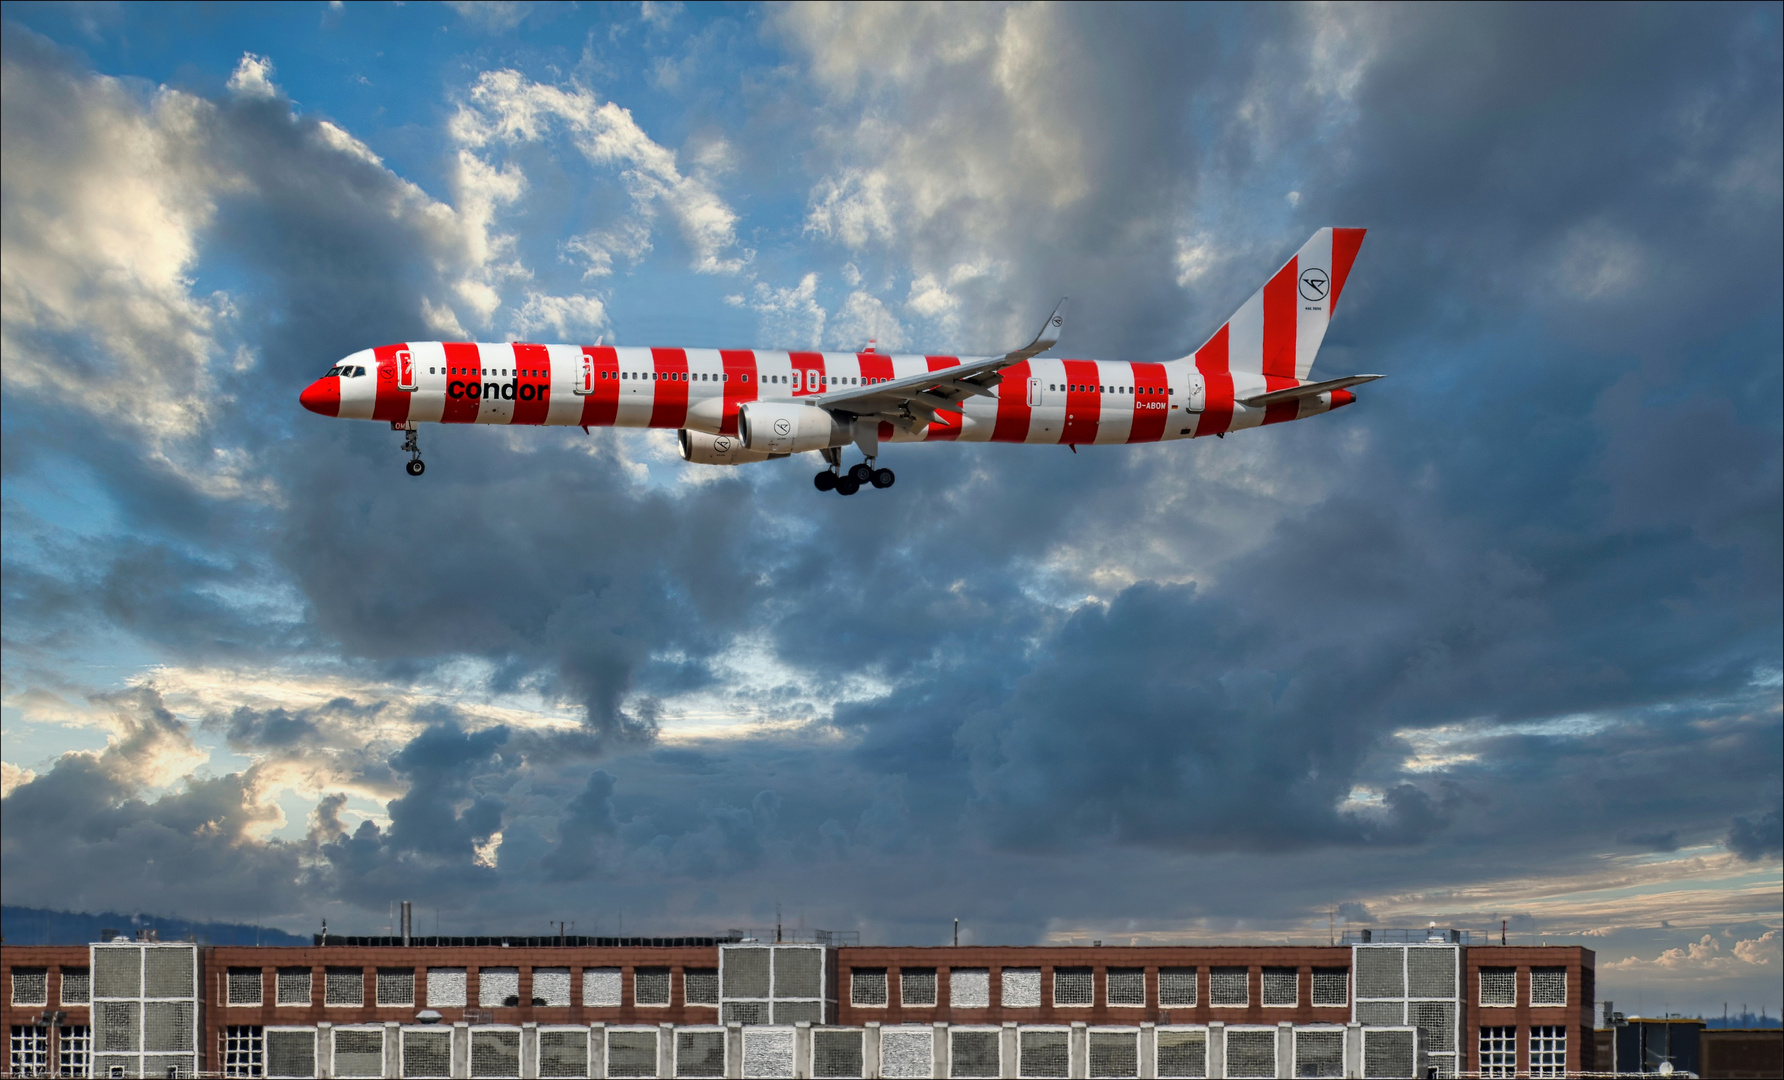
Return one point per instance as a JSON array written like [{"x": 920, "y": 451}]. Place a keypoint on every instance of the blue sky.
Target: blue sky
[{"x": 1501, "y": 642}]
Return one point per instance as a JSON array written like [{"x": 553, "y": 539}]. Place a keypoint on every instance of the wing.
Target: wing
[{"x": 921, "y": 396}]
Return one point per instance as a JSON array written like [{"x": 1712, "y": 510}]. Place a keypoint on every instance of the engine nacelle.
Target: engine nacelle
[
  {"x": 703, "y": 449},
  {"x": 775, "y": 427}
]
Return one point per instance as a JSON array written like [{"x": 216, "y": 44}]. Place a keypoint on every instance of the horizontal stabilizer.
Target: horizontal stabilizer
[{"x": 1293, "y": 393}]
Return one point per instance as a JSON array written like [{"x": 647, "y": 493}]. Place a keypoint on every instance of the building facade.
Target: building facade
[{"x": 704, "y": 1007}]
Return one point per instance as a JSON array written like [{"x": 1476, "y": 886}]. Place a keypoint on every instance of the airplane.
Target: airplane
[{"x": 740, "y": 406}]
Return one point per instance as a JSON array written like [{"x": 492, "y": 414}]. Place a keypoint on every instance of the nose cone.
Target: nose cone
[{"x": 322, "y": 396}]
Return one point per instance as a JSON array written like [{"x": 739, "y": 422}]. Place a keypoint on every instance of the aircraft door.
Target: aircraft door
[
  {"x": 405, "y": 370},
  {"x": 1197, "y": 398},
  {"x": 585, "y": 376},
  {"x": 1034, "y": 393},
  {"x": 812, "y": 385}
]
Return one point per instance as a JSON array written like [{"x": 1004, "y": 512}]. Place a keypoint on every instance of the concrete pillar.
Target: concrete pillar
[
  {"x": 1009, "y": 1044},
  {"x": 1078, "y": 1050},
  {"x": 1353, "y": 1050},
  {"x": 939, "y": 1051},
  {"x": 1285, "y": 1049},
  {"x": 324, "y": 1049},
  {"x": 461, "y": 1049},
  {"x": 529, "y": 1050},
  {"x": 665, "y": 1050},
  {"x": 870, "y": 1052},
  {"x": 734, "y": 1050},
  {"x": 1217, "y": 1048},
  {"x": 1148, "y": 1048},
  {"x": 802, "y": 1050},
  {"x": 597, "y": 1049},
  {"x": 393, "y": 1049}
]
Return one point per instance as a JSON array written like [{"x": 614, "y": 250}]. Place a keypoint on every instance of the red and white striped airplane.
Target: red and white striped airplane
[{"x": 733, "y": 406}]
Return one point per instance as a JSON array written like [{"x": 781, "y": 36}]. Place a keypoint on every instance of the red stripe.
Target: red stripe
[
  {"x": 532, "y": 380},
  {"x": 1280, "y": 315},
  {"x": 391, "y": 404},
  {"x": 804, "y": 362},
  {"x": 600, "y": 407},
  {"x": 874, "y": 365},
  {"x": 669, "y": 403},
  {"x": 936, "y": 363},
  {"x": 1083, "y": 403},
  {"x": 461, "y": 358},
  {"x": 1345, "y": 243},
  {"x": 741, "y": 380},
  {"x": 1152, "y": 406},
  {"x": 1211, "y": 361},
  {"x": 1013, "y": 411},
  {"x": 1341, "y": 398}
]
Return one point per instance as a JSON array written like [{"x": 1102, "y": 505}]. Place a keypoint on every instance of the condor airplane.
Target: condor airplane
[{"x": 734, "y": 406}]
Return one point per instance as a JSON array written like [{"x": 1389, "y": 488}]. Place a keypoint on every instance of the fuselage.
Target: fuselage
[{"x": 1040, "y": 400}]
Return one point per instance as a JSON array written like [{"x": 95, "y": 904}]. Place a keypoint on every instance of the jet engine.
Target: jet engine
[
  {"x": 775, "y": 427},
  {"x": 703, "y": 449}
]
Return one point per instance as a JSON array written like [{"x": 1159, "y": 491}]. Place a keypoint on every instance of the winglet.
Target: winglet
[{"x": 1049, "y": 335}]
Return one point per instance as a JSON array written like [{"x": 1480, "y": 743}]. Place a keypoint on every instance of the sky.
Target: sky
[{"x": 1500, "y": 645}]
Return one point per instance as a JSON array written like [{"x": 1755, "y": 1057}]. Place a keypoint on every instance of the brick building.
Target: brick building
[{"x": 527, "y": 1007}]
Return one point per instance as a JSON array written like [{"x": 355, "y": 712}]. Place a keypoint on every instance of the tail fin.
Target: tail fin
[{"x": 1278, "y": 331}]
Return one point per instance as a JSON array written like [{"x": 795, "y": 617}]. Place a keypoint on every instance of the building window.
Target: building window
[
  {"x": 498, "y": 987},
  {"x": 1022, "y": 988},
  {"x": 74, "y": 1049},
  {"x": 650, "y": 986},
  {"x": 30, "y": 986},
  {"x": 1073, "y": 986},
  {"x": 1548, "y": 986},
  {"x": 969, "y": 988},
  {"x": 1498, "y": 986},
  {"x": 1127, "y": 986},
  {"x": 600, "y": 987},
  {"x": 551, "y": 987},
  {"x": 1229, "y": 987},
  {"x": 396, "y": 986},
  {"x": 916, "y": 986},
  {"x": 703, "y": 986},
  {"x": 77, "y": 986},
  {"x": 1548, "y": 1051},
  {"x": 445, "y": 987},
  {"x": 345, "y": 986},
  {"x": 1282, "y": 987},
  {"x": 1176, "y": 986},
  {"x": 294, "y": 986},
  {"x": 867, "y": 987},
  {"x": 244, "y": 1050},
  {"x": 242, "y": 986},
  {"x": 1331, "y": 986},
  {"x": 30, "y": 1047},
  {"x": 1498, "y": 1051}
]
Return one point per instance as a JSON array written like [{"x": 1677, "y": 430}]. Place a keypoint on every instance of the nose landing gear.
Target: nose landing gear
[{"x": 412, "y": 443}]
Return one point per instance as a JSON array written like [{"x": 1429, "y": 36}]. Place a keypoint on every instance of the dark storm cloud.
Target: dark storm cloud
[{"x": 1554, "y": 533}]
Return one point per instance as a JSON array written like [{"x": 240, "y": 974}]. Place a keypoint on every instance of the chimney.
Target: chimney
[{"x": 406, "y": 922}]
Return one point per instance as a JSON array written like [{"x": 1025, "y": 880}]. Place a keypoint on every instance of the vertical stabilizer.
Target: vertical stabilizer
[{"x": 1278, "y": 331}]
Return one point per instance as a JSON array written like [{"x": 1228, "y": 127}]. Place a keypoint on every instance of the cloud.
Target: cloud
[
  {"x": 1757, "y": 838},
  {"x": 1705, "y": 958}
]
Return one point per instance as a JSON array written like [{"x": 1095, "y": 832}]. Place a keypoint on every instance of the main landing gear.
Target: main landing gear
[
  {"x": 858, "y": 475},
  {"x": 412, "y": 443}
]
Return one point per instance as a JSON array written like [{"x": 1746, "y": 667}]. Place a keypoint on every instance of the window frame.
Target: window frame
[
  {"x": 855, "y": 982},
  {"x": 1504, "y": 999},
  {"x": 1074, "y": 970}
]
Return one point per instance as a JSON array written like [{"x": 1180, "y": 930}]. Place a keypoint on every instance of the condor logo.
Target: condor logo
[{"x": 507, "y": 391}]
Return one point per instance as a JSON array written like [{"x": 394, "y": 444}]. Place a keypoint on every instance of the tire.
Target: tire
[
  {"x": 824, "y": 481},
  {"x": 848, "y": 485},
  {"x": 416, "y": 467},
  {"x": 883, "y": 478},
  {"x": 861, "y": 472}
]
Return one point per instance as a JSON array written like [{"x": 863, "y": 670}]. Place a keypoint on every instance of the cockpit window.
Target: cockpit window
[{"x": 358, "y": 371}]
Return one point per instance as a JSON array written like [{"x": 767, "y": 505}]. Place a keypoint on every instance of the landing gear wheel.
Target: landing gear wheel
[
  {"x": 882, "y": 478},
  {"x": 847, "y": 485},
  {"x": 861, "y": 472},
  {"x": 416, "y": 467},
  {"x": 824, "y": 481}
]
